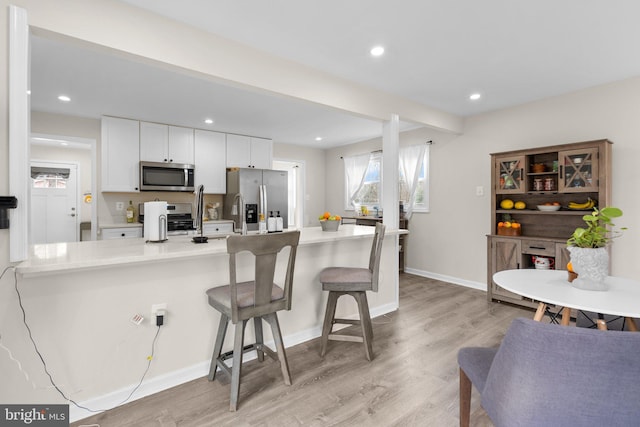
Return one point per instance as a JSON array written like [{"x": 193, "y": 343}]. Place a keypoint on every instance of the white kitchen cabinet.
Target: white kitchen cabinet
[
  {"x": 217, "y": 228},
  {"x": 249, "y": 152},
  {"x": 261, "y": 153},
  {"x": 181, "y": 145},
  {"x": 120, "y": 155},
  {"x": 166, "y": 144},
  {"x": 210, "y": 155},
  {"x": 154, "y": 142},
  {"x": 121, "y": 233}
]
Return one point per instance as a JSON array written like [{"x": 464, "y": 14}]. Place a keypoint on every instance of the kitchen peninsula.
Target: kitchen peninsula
[
  {"x": 80, "y": 296},
  {"x": 371, "y": 221}
]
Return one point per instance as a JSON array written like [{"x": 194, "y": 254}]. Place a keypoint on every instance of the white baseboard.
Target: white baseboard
[
  {"x": 148, "y": 387},
  {"x": 456, "y": 281},
  {"x": 181, "y": 376}
]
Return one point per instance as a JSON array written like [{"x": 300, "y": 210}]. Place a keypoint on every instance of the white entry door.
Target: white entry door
[{"x": 54, "y": 202}]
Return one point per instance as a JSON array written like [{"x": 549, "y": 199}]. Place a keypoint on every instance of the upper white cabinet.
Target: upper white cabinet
[
  {"x": 248, "y": 152},
  {"x": 261, "y": 153},
  {"x": 154, "y": 142},
  {"x": 164, "y": 143},
  {"x": 120, "y": 154},
  {"x": 181, "y": 147},
  {"x": 210, "y": 149}
]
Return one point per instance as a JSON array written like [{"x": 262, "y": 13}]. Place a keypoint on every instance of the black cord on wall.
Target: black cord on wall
[{"x": 44, "y": 364}]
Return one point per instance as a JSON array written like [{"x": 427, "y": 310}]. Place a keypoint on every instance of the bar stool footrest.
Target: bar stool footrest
[
  {"x": 351, "y": 338},
  {"x": 346, "y": 321}
]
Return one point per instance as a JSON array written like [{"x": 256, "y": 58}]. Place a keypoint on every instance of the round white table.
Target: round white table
[{"x": 553, "y": 287}]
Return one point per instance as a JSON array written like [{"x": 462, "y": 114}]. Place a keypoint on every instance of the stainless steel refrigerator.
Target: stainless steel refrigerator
[{"x": 263, "y": 191}]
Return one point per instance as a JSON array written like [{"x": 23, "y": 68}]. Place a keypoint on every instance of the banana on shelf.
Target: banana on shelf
[{"x": 589, "y": 204}]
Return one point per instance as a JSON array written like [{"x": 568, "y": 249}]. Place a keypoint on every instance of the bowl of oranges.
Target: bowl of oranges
[{"x": 329, "y": 222}]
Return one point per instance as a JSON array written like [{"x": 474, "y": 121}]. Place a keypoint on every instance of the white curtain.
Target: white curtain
[
  {"x": 411, "y": 158},
  {"x": 355, "y": 168}
]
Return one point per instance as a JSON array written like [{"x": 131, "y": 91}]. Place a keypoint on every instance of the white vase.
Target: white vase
[{"x": 592, "y": 267}]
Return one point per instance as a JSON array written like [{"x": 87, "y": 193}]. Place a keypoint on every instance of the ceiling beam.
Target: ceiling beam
[{"x": 144, "y": 36}]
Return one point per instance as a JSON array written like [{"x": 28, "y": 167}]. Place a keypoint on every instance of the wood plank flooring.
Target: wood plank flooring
[{"x": 413, "y": 380}]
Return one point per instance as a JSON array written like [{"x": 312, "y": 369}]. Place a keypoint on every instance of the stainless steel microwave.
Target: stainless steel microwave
[{"x": 157, "y": 176}]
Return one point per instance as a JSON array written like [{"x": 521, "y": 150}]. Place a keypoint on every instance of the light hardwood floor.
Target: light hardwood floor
[{"x": 413, "y": 380}]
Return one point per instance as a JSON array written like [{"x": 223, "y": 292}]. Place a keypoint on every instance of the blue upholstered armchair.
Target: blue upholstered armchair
[{"x": 543, "y": 375}]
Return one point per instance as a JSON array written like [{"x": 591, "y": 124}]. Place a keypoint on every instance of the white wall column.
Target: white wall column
[
  {"x": 18, "y": 132},
  {"x": 390, "y": 174}
]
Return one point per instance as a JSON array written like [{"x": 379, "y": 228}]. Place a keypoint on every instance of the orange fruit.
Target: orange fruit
[
  {"x": 326, "y": 215},
  {"x": 338, "y": 218},
  {"x": 501, "y": 224},
  {"x": 515, "y": 225}
]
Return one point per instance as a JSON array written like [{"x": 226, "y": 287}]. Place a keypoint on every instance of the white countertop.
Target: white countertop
[{"x": 67, "y": 257}]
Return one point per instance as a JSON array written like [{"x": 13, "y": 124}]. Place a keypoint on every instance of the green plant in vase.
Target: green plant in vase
[
  {"x": 587, "y": 245},
  {"x": 597, "y": 234}
]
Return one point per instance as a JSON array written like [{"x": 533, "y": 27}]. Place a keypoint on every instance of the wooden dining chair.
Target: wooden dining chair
[
  {"x": 543, "y": 375},
  {"x": 356, "y": 282},
  {"x": 258, "y": 299}
]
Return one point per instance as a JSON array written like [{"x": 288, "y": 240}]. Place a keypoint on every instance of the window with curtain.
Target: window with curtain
[
  {"x": 355, "y": 171},
  {"x": 412, "y": 161},
  {"x": 370, "y": 193}
]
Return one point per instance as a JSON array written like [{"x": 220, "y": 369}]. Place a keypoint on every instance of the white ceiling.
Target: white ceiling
[
  {"x": 437, "y": 53},
  {"x": 102, "y": 84}
]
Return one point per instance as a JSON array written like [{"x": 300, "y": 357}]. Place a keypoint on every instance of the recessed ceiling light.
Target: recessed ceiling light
[
  {"x": 377, "y": 51},
  {"x": 318, "y": 138},
  {"x": 208, "y": 121},
  {"x": 64, "y": 98},
  {"x": 474, "y": 96},
  {"x": 28, "y": 92}
]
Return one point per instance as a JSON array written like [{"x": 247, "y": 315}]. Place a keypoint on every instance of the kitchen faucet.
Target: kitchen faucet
[{"x": 241, "y": 213}]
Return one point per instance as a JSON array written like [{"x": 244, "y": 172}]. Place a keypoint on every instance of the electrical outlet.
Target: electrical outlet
[
  {"x": 119, "y": 206},
  {"x": 158, "y": 307},
  {"x": 480, "y": 190}
]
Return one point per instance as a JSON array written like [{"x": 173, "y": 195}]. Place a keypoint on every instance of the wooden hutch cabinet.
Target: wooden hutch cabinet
[{"x": 545, "y": 175}]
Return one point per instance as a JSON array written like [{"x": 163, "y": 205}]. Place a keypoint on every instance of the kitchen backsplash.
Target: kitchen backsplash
[{"x": 108, "y": 214}]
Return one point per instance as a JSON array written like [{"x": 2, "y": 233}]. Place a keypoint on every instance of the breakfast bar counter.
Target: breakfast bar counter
[
  {"x": 79, "y": 300},
  {"x": 64, "y": 257}
]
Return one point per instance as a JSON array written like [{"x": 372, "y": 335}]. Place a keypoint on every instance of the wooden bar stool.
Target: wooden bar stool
[
  {"x": 258, "y": 299},
  {"x": 355, "y": 282}
]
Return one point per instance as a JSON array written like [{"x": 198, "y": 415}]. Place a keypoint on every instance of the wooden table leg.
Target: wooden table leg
[
  {"x": 632, "y": 324},
  {"x": 566, "y": 316},
  {"x": 542, "y": 307},
  {"x": 602, "y": 325}
]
